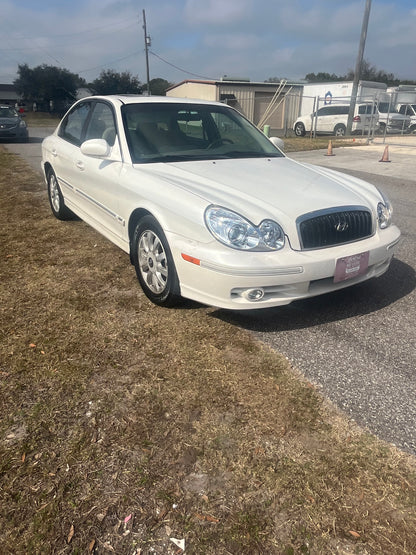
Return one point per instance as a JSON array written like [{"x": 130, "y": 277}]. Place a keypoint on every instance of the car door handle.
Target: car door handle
[{"x": 80, "y": 165}]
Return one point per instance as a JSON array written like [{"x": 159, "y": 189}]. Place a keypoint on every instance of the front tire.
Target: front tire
[
  {"x": 299, "y": 129},
  {"x": 56, "y": 200},
  {"x": 154, "y": 264},
  {"x": 381, "y": 129},
  {"x": 340, "y": 130}
]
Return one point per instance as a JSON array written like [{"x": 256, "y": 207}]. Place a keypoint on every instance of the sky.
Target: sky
[{"x": 206, "y": 39}]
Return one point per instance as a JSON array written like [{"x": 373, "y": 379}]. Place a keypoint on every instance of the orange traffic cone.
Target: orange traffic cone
[
  {"x": 385, "y": 157},
  {"x": 329, "y": 152}
]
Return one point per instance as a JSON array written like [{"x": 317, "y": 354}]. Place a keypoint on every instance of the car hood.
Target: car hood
[
  {"x": 267, "y": 188},
  {"x": 9, "y": 121},
  {"x": 393, "y": 116}
]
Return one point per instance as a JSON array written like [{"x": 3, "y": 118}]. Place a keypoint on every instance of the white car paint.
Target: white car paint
[{"x": 106, "y": 187}]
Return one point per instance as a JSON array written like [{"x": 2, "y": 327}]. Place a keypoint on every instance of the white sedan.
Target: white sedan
[{"x": 209, "y": 208}]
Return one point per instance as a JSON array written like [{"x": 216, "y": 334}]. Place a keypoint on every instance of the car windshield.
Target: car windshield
[
  {"x": 385, "y": 107},
  {"x": 367, "y": 109},
  {"x": 170, "y": 132},
  {"x": 7, "y": 112}
]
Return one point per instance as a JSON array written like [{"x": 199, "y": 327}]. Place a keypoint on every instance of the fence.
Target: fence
[{"x": 375, "y": 114}]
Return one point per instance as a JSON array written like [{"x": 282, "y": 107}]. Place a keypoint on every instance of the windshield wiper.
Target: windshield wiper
[
  {"x": 250, "y": 154},
  {"x": 166, "y": 158},
  {"x": 205, "y": 155}
]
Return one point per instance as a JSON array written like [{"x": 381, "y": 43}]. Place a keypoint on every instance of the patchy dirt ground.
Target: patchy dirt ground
[{"x": 131, "y": 429}]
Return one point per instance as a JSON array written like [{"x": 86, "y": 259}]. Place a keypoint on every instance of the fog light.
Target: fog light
[{"x": 254, "y": 294}]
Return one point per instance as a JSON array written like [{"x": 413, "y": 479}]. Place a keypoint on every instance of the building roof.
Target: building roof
[
  {"x": 7, "y": 87},
  {"x": 8, "y": 92},
  {"x": 234, "y": 82}
]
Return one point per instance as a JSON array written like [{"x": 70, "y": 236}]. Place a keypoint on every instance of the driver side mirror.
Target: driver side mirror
[
  {"x": 98, "y": 148},
  {"x": 277, "y": 141}
]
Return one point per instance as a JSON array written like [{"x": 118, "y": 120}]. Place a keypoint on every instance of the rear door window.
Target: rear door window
[{"x": 366, "y": 110}]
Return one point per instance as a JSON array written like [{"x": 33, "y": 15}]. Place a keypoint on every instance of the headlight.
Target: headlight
[
  {"x": 233, "y": 230},
  {"x": 384, "y": 212}
]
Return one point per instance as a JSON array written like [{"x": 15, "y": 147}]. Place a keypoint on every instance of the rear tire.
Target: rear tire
[
  {"x": 56, "y": 200},
  {"x": 154, "y": 264}
]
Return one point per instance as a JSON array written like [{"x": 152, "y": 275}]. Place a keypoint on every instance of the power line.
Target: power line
[
  {"x": 109, "y": 63},
  {"x": 180, "y": 68},
  {"x": 63, "y": 45},
  {"x": 92, "y": 29}
]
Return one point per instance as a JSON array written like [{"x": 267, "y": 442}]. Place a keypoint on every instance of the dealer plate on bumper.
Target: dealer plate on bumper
[{"x": 349, "y": 267}]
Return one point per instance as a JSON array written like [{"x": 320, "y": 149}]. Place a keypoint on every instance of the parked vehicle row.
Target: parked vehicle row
[
  {"x": 368, "y": 118},
  {"x": 209, "y": 208},
  {"x": 332, "y": 119}
]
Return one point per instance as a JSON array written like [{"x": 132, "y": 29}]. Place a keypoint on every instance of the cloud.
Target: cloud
[
  {"x": 237, "y": 42},
  {"x": 217, "y": 12},
  {"x": 255, "y": 38}
]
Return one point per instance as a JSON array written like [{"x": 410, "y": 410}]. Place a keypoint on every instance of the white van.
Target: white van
[
  {"x": 409, "y": 110},
  {"x": 332, "y": 120},
  {"x": 391, "y": 120}
]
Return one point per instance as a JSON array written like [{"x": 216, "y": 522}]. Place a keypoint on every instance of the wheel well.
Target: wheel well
[
  {"x": 47, "y": 168},
  {"x": 136, "y": 215}
]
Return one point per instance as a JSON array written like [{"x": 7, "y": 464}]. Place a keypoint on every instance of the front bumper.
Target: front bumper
[
  {"x": 225, "y": 278},
  {"x": 14, "y": 133}
]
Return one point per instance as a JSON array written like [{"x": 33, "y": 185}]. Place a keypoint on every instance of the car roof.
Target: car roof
[
  {"x": 347, "y": 104},
  {"x": 135, "y": 98}
]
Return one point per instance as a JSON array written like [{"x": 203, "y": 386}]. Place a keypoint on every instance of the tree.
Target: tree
[
  {"x": 322, "y": 76},
  {"x": 111, "y": 82},
  {"x": 47, "y": 85},
  {"x": 368, "y": 73},
  {"x": 159, "y": 86},
  {"x": 275, "y": 79},
  {"x": 371, "y": 73}
]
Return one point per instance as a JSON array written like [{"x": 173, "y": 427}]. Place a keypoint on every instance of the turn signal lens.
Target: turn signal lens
[{"x": 191, "y": 259}]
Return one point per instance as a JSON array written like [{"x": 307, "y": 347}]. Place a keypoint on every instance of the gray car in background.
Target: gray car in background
[{"x": 12, "y": 125}]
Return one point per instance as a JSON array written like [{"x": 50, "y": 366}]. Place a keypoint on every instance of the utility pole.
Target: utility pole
[
  {"x": 358, "y": 65},
  {"x": 147, "y": 43}
]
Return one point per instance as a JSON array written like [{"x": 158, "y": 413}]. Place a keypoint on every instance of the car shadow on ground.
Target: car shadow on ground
[
  {"x": 6, "y": 142},
  {"x": 364, "y": 298}
]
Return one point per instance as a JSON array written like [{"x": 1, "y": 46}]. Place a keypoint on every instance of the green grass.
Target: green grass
[{"x": 43, "y": 119}]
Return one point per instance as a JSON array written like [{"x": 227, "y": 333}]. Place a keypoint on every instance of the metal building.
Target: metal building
[{"x": 273, "y": 104}]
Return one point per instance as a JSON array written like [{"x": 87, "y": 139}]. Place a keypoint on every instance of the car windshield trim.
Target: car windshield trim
[
  {"x": 176, "y": 131},
  {"x": 199, "y": 157}
]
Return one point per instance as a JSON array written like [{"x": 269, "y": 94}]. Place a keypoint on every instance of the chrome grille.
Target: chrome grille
[{"x": 327, "y": 229}]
